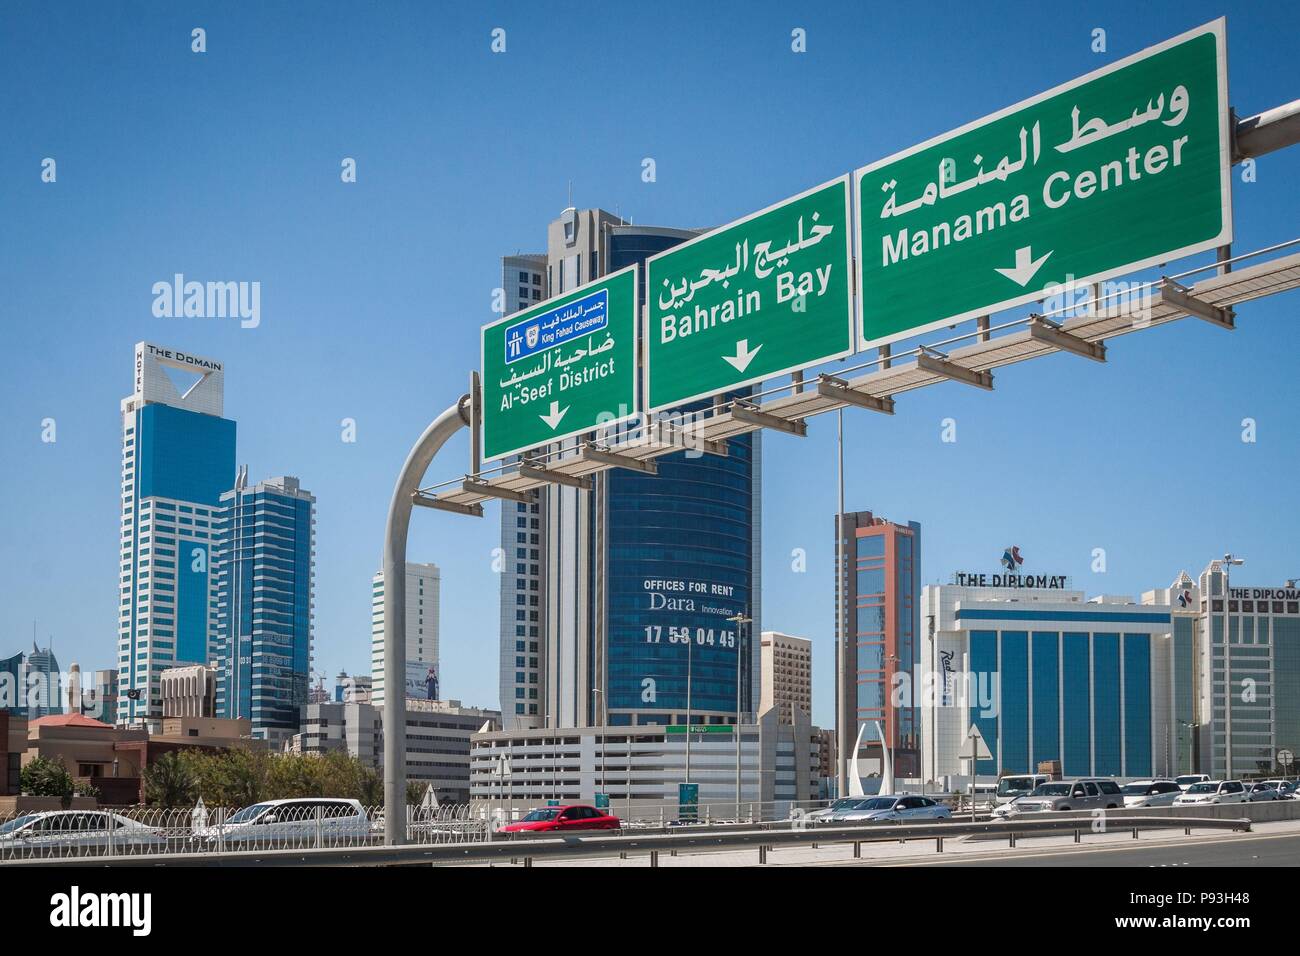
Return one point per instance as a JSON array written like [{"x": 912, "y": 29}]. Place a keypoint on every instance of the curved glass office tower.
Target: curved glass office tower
[{"x": 615, "y": 601}]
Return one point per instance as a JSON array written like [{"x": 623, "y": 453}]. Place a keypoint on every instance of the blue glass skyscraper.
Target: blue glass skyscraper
[
  {"x": 178, "y": 456},
  {"x": 266, "y": 569}
]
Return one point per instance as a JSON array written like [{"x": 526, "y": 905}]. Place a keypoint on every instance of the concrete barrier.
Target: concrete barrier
[{"x": 1265, "y": 811}]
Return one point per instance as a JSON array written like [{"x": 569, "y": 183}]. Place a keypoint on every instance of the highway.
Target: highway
[
  {"x": 1258, "y": 849},
  {"x": 1268, "y": 844}
]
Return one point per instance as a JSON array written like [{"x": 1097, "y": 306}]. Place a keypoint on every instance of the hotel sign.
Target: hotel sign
[
  {"x": 969, "y": 580},
  {"x": 1264, "y": 594}
]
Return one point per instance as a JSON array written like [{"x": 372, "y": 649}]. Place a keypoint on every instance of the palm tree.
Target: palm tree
[{"x": 169, "y": 782}]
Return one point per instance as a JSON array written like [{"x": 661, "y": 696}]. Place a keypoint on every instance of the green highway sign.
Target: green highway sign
[
  {"x": 1121, "y": 169},
  {"x": 763, "y": 296},
  {"x": 562, "y": 368}
]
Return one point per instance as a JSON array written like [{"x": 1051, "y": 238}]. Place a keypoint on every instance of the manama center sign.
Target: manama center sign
[{"x": 1118, "y": 170}]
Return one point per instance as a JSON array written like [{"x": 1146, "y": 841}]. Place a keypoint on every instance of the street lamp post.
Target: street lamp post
[
  {"x": 740, "y": 620},
  {"x": 1228, "y": 561},
  {"x": 546, "y": 725},
  {"x": 690, "y": 646},
  {"x": 891, "y": 661},
  {"x": 1195, "y": 761},
  {"x": 604, "y": 735}
]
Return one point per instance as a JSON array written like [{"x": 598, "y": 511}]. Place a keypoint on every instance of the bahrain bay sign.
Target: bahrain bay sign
[
  {"x": 763, "y": 296},
  {"x": 562, "y": 368},
  {"x": 1121, "y": 169}
]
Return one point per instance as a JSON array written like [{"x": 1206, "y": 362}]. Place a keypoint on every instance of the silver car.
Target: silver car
[
  {"x": 903, "y": 809},
  {"x": 1286, "y": 790},
  {"x": 1150, "y": 793},
  {"x": 1091, "y": 794},
  {"x": 297, "y": 822},
  {"x": 842, "y": 805},
  {"x": 75, "y": 828},
  {"x": 1264, "y": 790}
]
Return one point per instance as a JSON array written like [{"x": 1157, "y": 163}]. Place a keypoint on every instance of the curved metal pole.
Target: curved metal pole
[{"x": 395, "y": 534}]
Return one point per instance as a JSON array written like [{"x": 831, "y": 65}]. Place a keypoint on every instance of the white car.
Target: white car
[
  {"x": 76, "y": 828},
  {"x": 1018, "y": 785},
  {"x": 1186, "y": 780},
  {"x": 1150, "y": 793},
  {"x": 1212, "y": 792},
  {"x": 905, "y": 808},
  {"x": 300, "y": 822}
]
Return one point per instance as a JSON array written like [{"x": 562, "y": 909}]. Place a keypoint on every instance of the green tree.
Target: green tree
[
  {"x": 295, "y": 775},
  {"x": 44, "y": 777},
  {"x": 170, "y": 782}
]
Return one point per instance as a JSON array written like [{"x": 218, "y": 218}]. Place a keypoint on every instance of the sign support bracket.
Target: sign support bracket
[
  {"x": 667, "y": 432},
  {"x": 545, "y": 474},
  {"x": 429, "y": 501},
  {"x": 752, "y": 416},
  {"x": 1050, "y": 333},
  {"x": 591, "y": 453},
  {"x": 1181, "y": 297},
  {"x": 492, "y": 491},
  {"x": 951, "y": 370},
  {"x": 838, "y": 390}
]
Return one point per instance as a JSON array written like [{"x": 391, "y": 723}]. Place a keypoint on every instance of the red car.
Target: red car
[{"x": 563, "y": 819}]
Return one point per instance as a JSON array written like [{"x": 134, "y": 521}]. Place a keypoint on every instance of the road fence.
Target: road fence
[{"x": 527, "y": 848}]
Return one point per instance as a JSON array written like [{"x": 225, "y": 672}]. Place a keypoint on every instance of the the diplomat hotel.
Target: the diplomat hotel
[{"x": 1108, "y": 686}]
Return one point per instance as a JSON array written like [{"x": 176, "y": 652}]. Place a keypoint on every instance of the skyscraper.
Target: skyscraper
[
  {"x": 30, "y": 684},
  {"x": 266, "y": 549},
  {"x": 787, "y": 675},
  {"x": 178, "y": 457},
  {"x": 1248, "y": 644},
  {"x": 616, "y": 603},
  {"x": 422, "y": 594},
  {"x": 13, "y": 691},
  {"x": 882, "y": 582}
]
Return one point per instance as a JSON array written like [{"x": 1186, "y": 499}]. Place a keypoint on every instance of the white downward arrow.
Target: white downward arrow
[
  {"x": 557, "y": 413},
  {"x": 744, "y": 355},
  {"x": 1025, "y": 266}
]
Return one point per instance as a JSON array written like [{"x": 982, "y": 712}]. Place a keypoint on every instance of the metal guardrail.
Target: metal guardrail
[
  {"x": 314, "y": 824},
  {"x": 601, "y": 845}
]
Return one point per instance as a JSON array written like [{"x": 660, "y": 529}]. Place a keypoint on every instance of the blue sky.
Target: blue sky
[{"x": 225, "y": 166}]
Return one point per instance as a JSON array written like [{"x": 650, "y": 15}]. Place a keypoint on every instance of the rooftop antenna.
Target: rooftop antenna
[{"x": 570, "y": 205}]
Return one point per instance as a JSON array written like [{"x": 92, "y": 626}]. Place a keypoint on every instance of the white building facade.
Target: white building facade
[
  {"x": 422, "y": 594},
  {"x": 1093, "y": 688}
]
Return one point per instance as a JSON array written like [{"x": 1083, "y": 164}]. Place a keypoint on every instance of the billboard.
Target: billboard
[{"x": 421, "y": 681}]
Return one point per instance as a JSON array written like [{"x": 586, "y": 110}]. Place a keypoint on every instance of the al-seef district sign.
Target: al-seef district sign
[
  {"x": 561, "y": 368},
  {"x": 1115, "y": 171}
]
